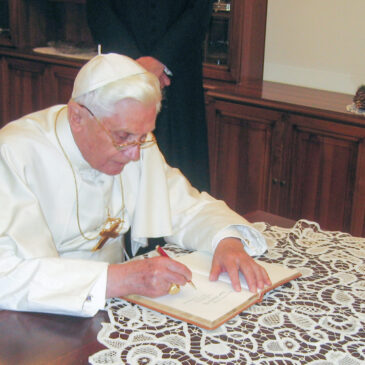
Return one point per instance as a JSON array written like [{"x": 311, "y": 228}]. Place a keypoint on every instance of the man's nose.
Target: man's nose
[{"x": 133, "y": 152}]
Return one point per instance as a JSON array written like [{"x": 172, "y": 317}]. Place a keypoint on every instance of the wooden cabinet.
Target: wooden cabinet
[
  {"x": 22, "y": 87},
  {"x": 61, "y": 79},
  {"x": 24, "y": 22},
  {"x": 324, "y": 172},
  {"x": 31, "y": 82},
  {"x": 233, "y": 48},
  {"x": 33, "y": 23},
  {"x": 241, "y": 136},
  {"x": 236, "y": 39},
  {"x": 289, "y": 159}
]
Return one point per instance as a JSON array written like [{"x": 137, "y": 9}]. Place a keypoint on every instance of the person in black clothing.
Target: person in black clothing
[{"x": 165, "y": 37}]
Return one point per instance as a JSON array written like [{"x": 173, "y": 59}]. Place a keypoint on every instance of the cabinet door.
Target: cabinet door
[
  {"x": 61, "y": 81},
  {"x": 22, "y": 87},
  {"x": 327, "y": 179},
  {"x": 235, "y": 41},
  {"x": 241, "y": 153},
  {"x": 28, "y": 22}
]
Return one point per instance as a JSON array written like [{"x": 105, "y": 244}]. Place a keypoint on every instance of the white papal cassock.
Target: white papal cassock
[{"x": 45, "y": 264}]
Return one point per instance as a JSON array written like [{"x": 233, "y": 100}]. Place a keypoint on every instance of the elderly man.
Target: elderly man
[{"x": 76, "y": 178}]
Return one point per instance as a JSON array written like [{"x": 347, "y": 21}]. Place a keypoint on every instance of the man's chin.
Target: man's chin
[{"x": 114, "y": 170}]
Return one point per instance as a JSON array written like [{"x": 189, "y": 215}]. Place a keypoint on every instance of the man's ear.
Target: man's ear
[{"x": 76, "y": 116}]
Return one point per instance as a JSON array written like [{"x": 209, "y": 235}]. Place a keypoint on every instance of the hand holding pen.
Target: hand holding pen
[{"x": 174, "y": 288}]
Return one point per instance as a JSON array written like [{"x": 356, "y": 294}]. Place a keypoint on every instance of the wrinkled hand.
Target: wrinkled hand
[
  {"x": 231, "y": 257},
  {"x": 149, "y": 277},
  {"x": 156, "y": 67}
]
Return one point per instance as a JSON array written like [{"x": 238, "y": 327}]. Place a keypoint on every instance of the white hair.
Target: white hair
[{"x": 144, "y": 87}]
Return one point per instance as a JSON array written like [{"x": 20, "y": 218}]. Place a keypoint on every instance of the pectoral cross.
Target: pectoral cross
[{"x": 110, "y": 230}]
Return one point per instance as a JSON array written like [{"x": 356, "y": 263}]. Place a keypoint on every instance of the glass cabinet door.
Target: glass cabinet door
[
  {"x": 4, "y": 23},
  {"x": 233, "y": 48},
  {"x": 216, "y": 45}
]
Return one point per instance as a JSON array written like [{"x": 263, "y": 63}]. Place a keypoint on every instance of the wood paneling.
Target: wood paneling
[
  {"x": 246, "y": 43},
  {"x": 62, "y": 79},
  {"x": 23, "y": 88},
  {"x": 323, "y": 175},
  {"x": 242, "y": 155},
  {"x": 290, "y": 151},
  {"x": 30, "y": 83}
]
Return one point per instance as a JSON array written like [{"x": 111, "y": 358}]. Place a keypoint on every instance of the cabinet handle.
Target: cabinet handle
[{"x": 276, "y": 181}]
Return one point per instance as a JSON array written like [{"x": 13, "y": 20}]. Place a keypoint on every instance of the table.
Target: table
[
  {"x": 35, "y": 338},
  {"x": 317, "y": 319},
  {"x": 30, "y": 338}
]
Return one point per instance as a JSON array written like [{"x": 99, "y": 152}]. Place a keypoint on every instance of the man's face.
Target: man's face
[{"x": 131, "y": 122}]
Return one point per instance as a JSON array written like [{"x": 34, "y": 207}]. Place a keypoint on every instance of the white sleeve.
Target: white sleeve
[
  {"x": 253, "y": 241},
  {"x": 33, "y": 277},
  {"x": 95, "y": 301},
  {"x": 200, "y": 221},
  {"x": 51, "y": 284}
]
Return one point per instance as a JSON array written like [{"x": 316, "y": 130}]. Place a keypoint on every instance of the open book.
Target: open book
[{"x": 213, "y": 302}]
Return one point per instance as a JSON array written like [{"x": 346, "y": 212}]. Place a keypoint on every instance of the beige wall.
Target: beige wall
[{"x": 316, "y": 43}]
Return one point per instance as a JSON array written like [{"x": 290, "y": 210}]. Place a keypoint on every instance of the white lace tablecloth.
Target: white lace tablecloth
[{"x": 316, "y": 319}]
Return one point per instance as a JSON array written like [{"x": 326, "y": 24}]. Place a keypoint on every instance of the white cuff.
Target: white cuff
[
  {"x": 253, "y": 241},
  {"x": 96, "y": 298}
]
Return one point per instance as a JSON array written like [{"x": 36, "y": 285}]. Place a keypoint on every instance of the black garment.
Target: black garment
[
  {"x": 171, "y": 31},
  {"x": 152, "y": 243}
]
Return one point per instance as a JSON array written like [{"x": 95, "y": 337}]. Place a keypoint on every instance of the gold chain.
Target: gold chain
[{"x": 108, "y": 220}]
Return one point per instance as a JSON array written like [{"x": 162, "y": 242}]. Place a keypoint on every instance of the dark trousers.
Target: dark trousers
[{"x": 152, "y": 243}]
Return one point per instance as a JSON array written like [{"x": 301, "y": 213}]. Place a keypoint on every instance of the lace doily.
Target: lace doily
[{"x": 317, "y": 319}]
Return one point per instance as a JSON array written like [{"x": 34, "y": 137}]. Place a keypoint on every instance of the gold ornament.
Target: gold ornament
[{"x": 174, "y": 289}]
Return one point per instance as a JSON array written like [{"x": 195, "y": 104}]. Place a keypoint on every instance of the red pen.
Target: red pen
[{"x": 162, "y": 252}]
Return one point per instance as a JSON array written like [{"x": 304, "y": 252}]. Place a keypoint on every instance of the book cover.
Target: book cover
[{"x": 212, "y": 302}]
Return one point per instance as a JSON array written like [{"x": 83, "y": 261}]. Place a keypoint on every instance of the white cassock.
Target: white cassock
[{"x": 45, "y": 263}]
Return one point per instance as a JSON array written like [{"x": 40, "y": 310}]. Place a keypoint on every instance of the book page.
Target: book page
[
  {"x": 211, "y": 300},
  {"x": 200, "y": 262}
]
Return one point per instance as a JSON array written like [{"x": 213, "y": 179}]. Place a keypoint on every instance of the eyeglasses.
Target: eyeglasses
[{"x": 143, "y": 142}]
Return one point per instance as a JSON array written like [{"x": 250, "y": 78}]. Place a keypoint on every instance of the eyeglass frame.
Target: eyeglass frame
[{"x": 142, "y": 143}]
